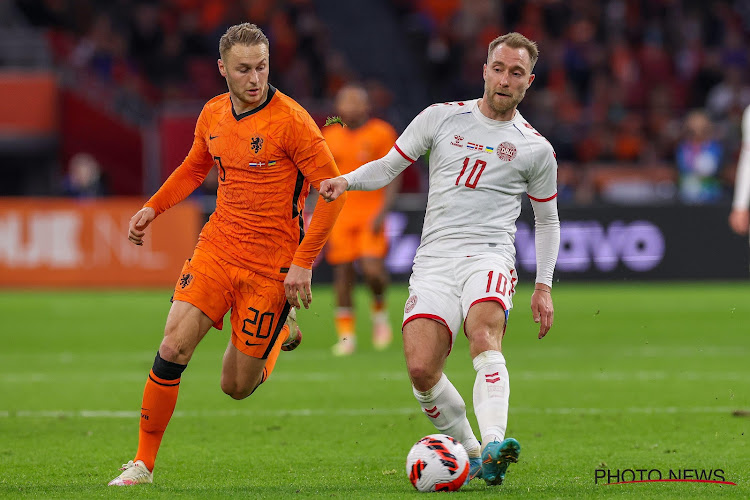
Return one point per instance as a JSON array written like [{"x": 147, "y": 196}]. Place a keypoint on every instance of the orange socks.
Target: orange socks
[
  {"x": 274, "y": 354},
  {"x": 344, "y": 320},
  {"x": 159, "y": 400}
]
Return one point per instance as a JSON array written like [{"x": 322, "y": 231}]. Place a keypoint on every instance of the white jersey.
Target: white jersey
[{"x": 478, "y": 170}]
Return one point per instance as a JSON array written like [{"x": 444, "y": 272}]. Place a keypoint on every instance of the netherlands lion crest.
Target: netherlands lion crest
[
  {"x": 185, "y": 280},
  {"x": 256, "y": 144}
]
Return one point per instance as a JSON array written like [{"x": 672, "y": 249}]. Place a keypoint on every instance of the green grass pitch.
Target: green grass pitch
[{"x": 632, "y": 376}]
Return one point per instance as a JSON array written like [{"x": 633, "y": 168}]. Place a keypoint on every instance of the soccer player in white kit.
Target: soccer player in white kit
[
  {"x": 483, "y": 157},
  {"x": 739, "y": 218}
]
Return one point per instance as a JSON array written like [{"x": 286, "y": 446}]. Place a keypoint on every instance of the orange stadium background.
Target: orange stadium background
[{"x": 63, "y": 243}]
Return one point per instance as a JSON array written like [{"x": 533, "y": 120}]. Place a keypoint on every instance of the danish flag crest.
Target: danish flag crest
[{"x": 506, "y": 151}]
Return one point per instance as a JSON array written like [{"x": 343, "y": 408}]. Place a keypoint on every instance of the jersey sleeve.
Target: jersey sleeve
[
  {"x": 311, "y": 155},
  {"x": 189, "y": 175},
  {"x": 306, "y": 147},
  {"x": 542, "y": 179},
  {"x": 419, "y": 136}
]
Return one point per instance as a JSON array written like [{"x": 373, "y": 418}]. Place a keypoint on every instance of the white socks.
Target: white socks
[
  {"x": 491, "y": 395},
  {"x": 446, "y": 409}
]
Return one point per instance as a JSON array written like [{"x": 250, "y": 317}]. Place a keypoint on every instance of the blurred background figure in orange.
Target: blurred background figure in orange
[{"x": 358, "y": 238}]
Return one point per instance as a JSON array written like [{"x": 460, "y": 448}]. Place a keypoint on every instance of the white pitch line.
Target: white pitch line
[
  {"x": 324, "y": 355},
  {"x": 354, "y": 412},
  {"x": 281, "y": 376}
]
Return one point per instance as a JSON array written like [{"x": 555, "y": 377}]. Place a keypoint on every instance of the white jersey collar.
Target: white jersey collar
[{"x": 489, "y": 121}]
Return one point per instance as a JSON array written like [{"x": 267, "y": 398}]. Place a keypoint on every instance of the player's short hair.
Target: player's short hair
[
  {"x": 242, "y": 34},
  {"x": 516, "y": 40}
]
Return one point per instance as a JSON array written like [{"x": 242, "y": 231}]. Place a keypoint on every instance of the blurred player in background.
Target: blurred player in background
[
  {"x": 739, "y": 218},
  {"x": 483, "y": 156},
  {"x": 359, "y": 233},
  {"x": 251, "y": 256}
]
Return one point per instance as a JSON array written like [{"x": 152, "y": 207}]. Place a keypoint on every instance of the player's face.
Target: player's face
[
  {"x": 507, "y": 75},
  {"x": 245, "y": 67},
  {"x": 353, "y": 104}
]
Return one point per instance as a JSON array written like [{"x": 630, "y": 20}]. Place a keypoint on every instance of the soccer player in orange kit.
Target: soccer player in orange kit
[
  {"x": 359, "y": 234},
  {"x": 251, "y": 256}
]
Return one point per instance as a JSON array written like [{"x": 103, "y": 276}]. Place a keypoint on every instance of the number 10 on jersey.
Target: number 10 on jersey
[{"x": 471, "y": 180}]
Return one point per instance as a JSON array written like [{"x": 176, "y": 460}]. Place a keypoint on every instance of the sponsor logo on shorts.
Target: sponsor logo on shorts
[
  {"x": 506, "y": 151},
  {"x": 185, "y": 280},
  {"x": 410, "y": 304}
]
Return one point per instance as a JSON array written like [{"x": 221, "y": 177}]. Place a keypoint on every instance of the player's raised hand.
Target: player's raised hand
[
  {"x": 297, "y": 285},
  {"x": 542, "y": 309},
  {"x": 330, "y": 189},
  {"x": 138, "y": 224}
]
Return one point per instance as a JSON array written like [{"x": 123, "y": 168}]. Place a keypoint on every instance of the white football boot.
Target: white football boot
[
  {"x": 133, "y": 473},
  {"x": 295, "y": 334},
  {"x": 345, "y": 346}
]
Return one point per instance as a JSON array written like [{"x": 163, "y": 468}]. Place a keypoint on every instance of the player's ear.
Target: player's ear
[
  {"x": 484, "y": 72},
  {"x": 531, "y": 79},
  {"x": 222, "y": 69}
]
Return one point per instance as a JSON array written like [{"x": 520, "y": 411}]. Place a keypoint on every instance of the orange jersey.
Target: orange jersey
[
  {"x": 266, "y": 158},
  {"x": 352, "y": 148}
]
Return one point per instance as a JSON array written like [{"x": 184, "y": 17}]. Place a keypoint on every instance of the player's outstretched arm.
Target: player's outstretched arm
[
  {"x": 330, "y": 189},
  {"x": 138, "y": 224},
  {"x": 542, "y": 309}
]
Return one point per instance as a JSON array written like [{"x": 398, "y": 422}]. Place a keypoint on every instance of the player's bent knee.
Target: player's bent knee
[
  {"x": 236, "y": 389},
  {"x": 423, "y": 376},
  {"x": 237, "y": 395},
  {"x": 235, "y": 392},
  {"x": 174, "y": 351}
]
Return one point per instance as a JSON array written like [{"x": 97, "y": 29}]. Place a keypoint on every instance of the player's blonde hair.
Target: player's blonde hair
[
  {"x": 242, "y": 34},
  {"x": 516, "y": 40}
]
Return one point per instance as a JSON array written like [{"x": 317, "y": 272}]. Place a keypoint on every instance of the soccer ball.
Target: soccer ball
[{"x": 437, "y": 463}]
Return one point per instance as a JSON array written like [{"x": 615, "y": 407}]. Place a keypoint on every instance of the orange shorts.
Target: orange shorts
[
  {"x": 351, "y": 242},
  {"x": 258, "y": 303}
]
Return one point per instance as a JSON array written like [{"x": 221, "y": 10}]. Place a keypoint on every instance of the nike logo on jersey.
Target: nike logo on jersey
[{"x": 212, "y": 137}]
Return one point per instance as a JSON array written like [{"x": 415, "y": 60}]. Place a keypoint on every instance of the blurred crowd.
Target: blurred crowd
[
  {"x": 150, "y": 52},
  {"x": 615, "y": 82},
  {"x": 655, "y": 87}
]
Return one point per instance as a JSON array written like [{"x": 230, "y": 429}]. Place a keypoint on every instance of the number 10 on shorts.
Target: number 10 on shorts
[{"x": 502, "y": 283}]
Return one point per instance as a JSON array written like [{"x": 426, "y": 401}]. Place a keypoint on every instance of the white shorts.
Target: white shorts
[{"x": 445, "y": 288}]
